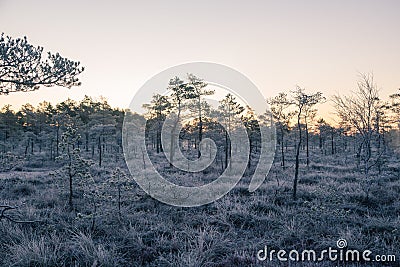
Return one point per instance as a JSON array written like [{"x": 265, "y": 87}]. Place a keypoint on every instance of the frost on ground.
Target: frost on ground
[{"x": 332, "y": 204}]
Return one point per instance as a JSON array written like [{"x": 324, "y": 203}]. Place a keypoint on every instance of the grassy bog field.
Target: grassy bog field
[{"x": 331, "y": 204}]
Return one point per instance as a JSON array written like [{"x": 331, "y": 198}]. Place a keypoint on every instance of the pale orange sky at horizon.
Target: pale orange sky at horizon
[{"x": 318, "y": 45}]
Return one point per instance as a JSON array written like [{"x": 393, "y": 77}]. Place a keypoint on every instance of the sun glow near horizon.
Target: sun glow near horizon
[{"x": 320, "y": 46}]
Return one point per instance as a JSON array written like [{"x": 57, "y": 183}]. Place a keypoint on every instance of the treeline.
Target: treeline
[
  {"x": 191, "y": 118},
  {"x": 366, "y": 132},
  {"x": 37, "y": 131},
  {"x": 368, "y": 127}
]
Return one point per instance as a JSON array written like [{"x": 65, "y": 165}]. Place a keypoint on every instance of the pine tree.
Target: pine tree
[{"x": 75, "y": 166}]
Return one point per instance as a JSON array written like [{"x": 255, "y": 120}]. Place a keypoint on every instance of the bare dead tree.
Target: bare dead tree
[{"x": 359, "y": 111}]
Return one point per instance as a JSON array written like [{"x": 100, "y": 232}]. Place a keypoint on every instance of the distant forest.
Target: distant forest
[{"x": 366, "y": 135}]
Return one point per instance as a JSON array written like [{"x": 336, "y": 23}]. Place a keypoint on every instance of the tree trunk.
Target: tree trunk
[
  {"x": 226, "y": 149},
  {"x": 51, "y": 150},
  {"x": 57, "y": 140},
  {"x": 200, "y": 129},
  {"x": 119, "y": 200},
  {"x": 70, "y": 175},
  {"x": 282, "y": 150},
  {"x": 100, "y": 152},
  {"x": 320, "y": 140},
  {"x": 296, "y": 170},
  {"x": 307, "y": 148},
  {"x": 158, "y": 137},
  {"x": 87, "y": 141},
  {"x": 144, "y": 161},
  {"x": 251, "y": 149},
  {"x": 173, "y": 136}
]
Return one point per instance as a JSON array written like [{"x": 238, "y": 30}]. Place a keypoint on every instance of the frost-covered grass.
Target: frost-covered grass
[{"x": 332, "y": 203}]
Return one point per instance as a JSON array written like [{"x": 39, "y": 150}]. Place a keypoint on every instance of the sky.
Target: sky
[{"x": 319, "y": 45}]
